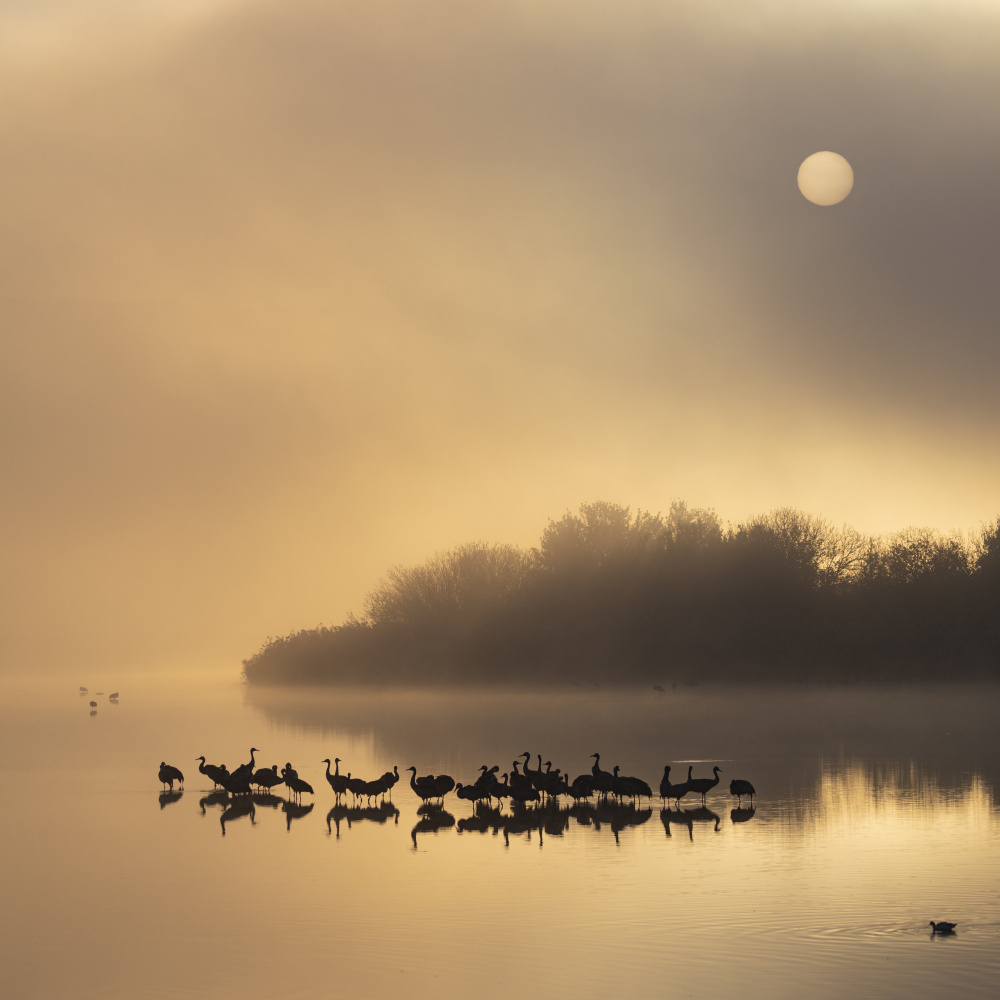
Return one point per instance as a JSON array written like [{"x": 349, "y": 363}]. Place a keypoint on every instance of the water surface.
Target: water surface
[{"x": 876, "y": 813}]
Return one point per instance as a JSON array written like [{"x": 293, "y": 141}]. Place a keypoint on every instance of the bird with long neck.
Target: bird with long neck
[
  {"x": 702, "y": 786},
  {"x": 212, "y": 771},
  {"x": 422, "y": 788},
  {"x": 518, "y": 780},
  {"x": 433, "y": 786},
  {"x": 340, "y": 781},
  {"x": 386, "y": 782},
  {"x": 604, "y": 781},
  {"x": 668, "y": 790},
  {"x": 526, "y": 771},
  {"x": 247, "y": 768},
  {"x": 330, "y": 777},
  {"x": 537, "y": 776}
]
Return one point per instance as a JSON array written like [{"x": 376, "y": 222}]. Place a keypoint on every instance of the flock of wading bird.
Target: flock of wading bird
[{"x": 532, "y": 794}]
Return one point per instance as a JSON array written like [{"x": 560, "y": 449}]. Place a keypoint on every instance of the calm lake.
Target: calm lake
[{"x": 876, "y": 813}]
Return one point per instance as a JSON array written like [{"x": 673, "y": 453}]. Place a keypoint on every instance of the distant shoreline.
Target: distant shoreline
[{"x": 615, "y": 598}]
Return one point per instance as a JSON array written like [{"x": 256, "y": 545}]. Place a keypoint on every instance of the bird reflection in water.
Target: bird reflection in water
[
  {"x": 687, "y": 818},
  {"x": 432, "y": 819},
  {"x": 266, "y": 800},
  {"x": 294, "y": 810},
  {"x": 618, "y": 817},
  {"x": 214, "y": 799},
  {"x": 167, "y": 797},
  {"x": 483, "y": 819},
  {"x": 552, "y": 819},
  {"x": 239, "y": 806},
  {"x": 380, "y": 814},
  {"x": 743, "y": 815}
]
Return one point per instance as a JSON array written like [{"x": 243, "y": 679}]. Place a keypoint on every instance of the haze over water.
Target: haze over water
[
  {"x": 876, "y": 813},
  {"x": 294, "y": 293}
]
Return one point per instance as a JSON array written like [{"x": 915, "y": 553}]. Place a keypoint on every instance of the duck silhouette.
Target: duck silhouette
[{"x": 943, "y": 927}]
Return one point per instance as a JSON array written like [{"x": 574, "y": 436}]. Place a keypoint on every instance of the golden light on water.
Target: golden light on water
[{"x": 825, "y": 178}]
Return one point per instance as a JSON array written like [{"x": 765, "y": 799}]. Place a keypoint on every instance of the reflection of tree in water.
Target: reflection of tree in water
[
  {"x": 167, "y": 797},
  {"x": 687, "y": 818},
  {"x": 432, "y": 819},
  {"x": 380, "y": 814},
  {"x": 294, "y": 810},
  {"x": 768, "y": 734},
  {"x": 239, "y": 806},
  {"x": 743, "y": 814}
]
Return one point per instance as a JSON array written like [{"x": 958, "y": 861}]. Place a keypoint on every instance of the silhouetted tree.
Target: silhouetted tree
[
  {"x": 602, "y": 534},
  {"x": 609, "y": 595},
  {"x": 470, "y": 579}
]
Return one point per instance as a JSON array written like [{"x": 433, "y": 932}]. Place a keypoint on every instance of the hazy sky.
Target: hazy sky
[{"x": 292, "y": 291}]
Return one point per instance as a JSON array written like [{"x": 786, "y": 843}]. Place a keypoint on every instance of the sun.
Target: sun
[{"x": 825, "y": 178}]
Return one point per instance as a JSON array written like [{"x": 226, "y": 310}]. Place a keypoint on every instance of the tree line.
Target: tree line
[{"x": 611, "y": 596}]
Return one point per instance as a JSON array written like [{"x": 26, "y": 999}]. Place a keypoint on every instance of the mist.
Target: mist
[{"x": 292, "y": 293}]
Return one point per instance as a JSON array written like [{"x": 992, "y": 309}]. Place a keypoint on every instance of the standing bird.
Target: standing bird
[
  {"x": 582, "y": 787},
  {"x": 627, "y": 787},
  {"x": 267, "y": 777},
  {"x": 238, "y": 783},
  {"x": 212, "y": 771},
  {"x": 672, "y": 791},
  {"x": 432, "y": 786},
  {"x": 334, "y": 779},
  {"x": 249, "y": 767},
  {"x": 387, "y": 780},
  {"x": 739, "y": 787},
  {"x": 604, "y": 781},
  {"x": 169, "y": 774},
  {"x": 702, "y": 786},
  {"x": 518, "y": 780},
  {"x": 338, "y": 781},
  {"x": 298, "y": 786}
]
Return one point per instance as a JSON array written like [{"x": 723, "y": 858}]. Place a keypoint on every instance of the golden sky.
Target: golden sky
[{"x": 293, "y": 290}]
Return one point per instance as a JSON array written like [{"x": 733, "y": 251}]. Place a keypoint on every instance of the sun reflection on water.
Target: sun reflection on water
[{"x": 902, "y": 796}]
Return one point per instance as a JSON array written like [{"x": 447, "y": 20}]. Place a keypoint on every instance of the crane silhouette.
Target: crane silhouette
[
  {"x": 337, "y": 781},
  {"x": 702, "y": 786},
  {"x": 668, "y": 790},
  {"x": 432, "y": 786},
  {"x": 212, "y": 771},
  {"x": 169, "y": 774},
  {"x": 267, "y": 777},
  {"x": 298, "y": 786},
  {"x": 739, "y": 787},
  {"x": 627, "y": 787},
  {"x": 604, "y": 781}
]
